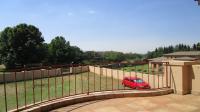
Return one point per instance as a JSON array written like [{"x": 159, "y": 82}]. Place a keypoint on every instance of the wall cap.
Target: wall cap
[{"x": 182, "y": 63}]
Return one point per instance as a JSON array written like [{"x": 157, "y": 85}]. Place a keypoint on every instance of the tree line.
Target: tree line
[
  {"x": 91, "y": 57},
  {"x": 170, "y": 49},
  {"x": 24, "y": 44}
]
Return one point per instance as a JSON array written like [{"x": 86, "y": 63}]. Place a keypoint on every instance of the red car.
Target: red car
[{"x": 135, "y": 83}]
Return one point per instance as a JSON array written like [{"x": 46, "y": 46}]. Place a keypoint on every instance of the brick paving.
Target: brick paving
[{"x": 166, "y": 103}]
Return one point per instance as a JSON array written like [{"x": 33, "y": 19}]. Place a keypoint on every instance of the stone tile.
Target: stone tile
[
  {"x": 135, "y": 106},
  {"x": 182, "y": 107},
  {"x": 198, "y": 98},
  {"x": 142, "y": 105},
  {"x": 163, "y": 110},
  {"x": 107, "y": 109},
  {"x": 141, "y": 102},
  {"x": 143, "y": 111},
  {"x": 151, "y": 105}
]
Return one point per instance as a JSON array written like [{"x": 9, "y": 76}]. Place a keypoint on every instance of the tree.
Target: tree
[
  {"x": 133, "y": 57},
  {"x": 59, "y": 50},
  {"x": 114, "y": 56},
  {"x": 21, "y": 45},
  {"x": 198, "y": 46},
  {"x": 76, "y": 54},
  {"x": 45, "y": 53},
  {"x": 194, "y": 47}
]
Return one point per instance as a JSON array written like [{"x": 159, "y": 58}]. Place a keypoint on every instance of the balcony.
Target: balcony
[
  {"x": 51, "y": 87},
  {"x": 25, "y": 89}
]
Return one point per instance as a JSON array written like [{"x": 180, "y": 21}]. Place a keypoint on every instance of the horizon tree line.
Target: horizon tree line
[{"x": 24, "y": 44}]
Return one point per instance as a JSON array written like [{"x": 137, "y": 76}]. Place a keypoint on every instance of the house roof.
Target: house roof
[
  {"x": 183, "y": 54},
  {"x": 185, "y": 59},
  {"x": 158, "y": 59}
]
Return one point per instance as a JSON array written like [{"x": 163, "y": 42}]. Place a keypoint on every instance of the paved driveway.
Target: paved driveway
[{"x": 166, "y": 103}]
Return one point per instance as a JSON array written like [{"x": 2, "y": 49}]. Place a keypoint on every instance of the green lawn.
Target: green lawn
[
  {"x": 137, "y": 68},
  {"x": 141, "y": 69},
  {"x": 68, "y": 88}
]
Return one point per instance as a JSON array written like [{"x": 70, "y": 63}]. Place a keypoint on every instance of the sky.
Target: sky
[{"x": 134, "y": 26}]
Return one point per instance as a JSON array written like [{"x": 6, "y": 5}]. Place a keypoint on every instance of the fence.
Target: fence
[{"x": 27, "y": 87}]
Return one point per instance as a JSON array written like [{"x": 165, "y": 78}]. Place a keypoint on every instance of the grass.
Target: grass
[
  {"x": 137, "y": 68},
  {"x": 142, "y": 69},
  {"x": 72, "y": 85}
]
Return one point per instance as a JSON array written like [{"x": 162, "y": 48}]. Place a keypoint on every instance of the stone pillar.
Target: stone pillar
[
  {"x": 181, "y": 76},
  {"x": 195, "y": 79}
]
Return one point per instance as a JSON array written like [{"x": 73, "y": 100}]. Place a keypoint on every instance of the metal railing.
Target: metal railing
[{"x": 21, "y": 88}]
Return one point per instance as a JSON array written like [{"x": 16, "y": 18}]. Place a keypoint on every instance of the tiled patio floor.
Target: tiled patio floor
[{"x": 166, "y": 103}]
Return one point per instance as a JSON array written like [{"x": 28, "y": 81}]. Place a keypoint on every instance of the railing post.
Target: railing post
[
  {"x": 61, "y": 73},
  {"x": 158, "y": 75},
  {"x": 74, "y": 69},
  {"x": 166, "y": 75},
  {"x": 16, "y": 92},
  {"x": 88, "y": 81},
  {"x": 142, "y": 69},
  {"x": 100, "y": 77},
  {"x": 153, "y": 73},
  {"x": 55, "y": 86},
  {"x": 123, "y": 76},
  {"x": 106, "y": 80},
  {"x": 24, "y": 75},
  {"x": 81, "y": 78},
  {"x": 48, "y": 83},
  {"x": 94, "y": 79},
  {"x": 33, "y": 75},
  {"x": 5, "y": 93},
  {"x": 170, "y": 75},
  {"x": 118, "y": 78},
  {"x": 70, "y": 79},
  {"x": 148, "y": 72},
  {"x": 112, "y": 76},
  {"x": 41, "y": 83},
  {"x": 163, "y": 75},
  {"x": 135, "y": 71}
]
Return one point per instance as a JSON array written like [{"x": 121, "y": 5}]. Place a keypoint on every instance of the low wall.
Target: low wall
[
  {"x": 79, "y": 69},
  {"x": 41, "y": 73},
  {"x": 155, "y": 81},
  {"x": 28, "y": 75}
]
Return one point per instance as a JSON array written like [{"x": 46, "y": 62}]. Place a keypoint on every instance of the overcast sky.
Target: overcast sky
[{"x": 120, "y": 25}]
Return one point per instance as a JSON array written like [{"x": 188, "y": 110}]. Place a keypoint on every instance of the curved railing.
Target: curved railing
[{"x": 22, "y": 88}]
